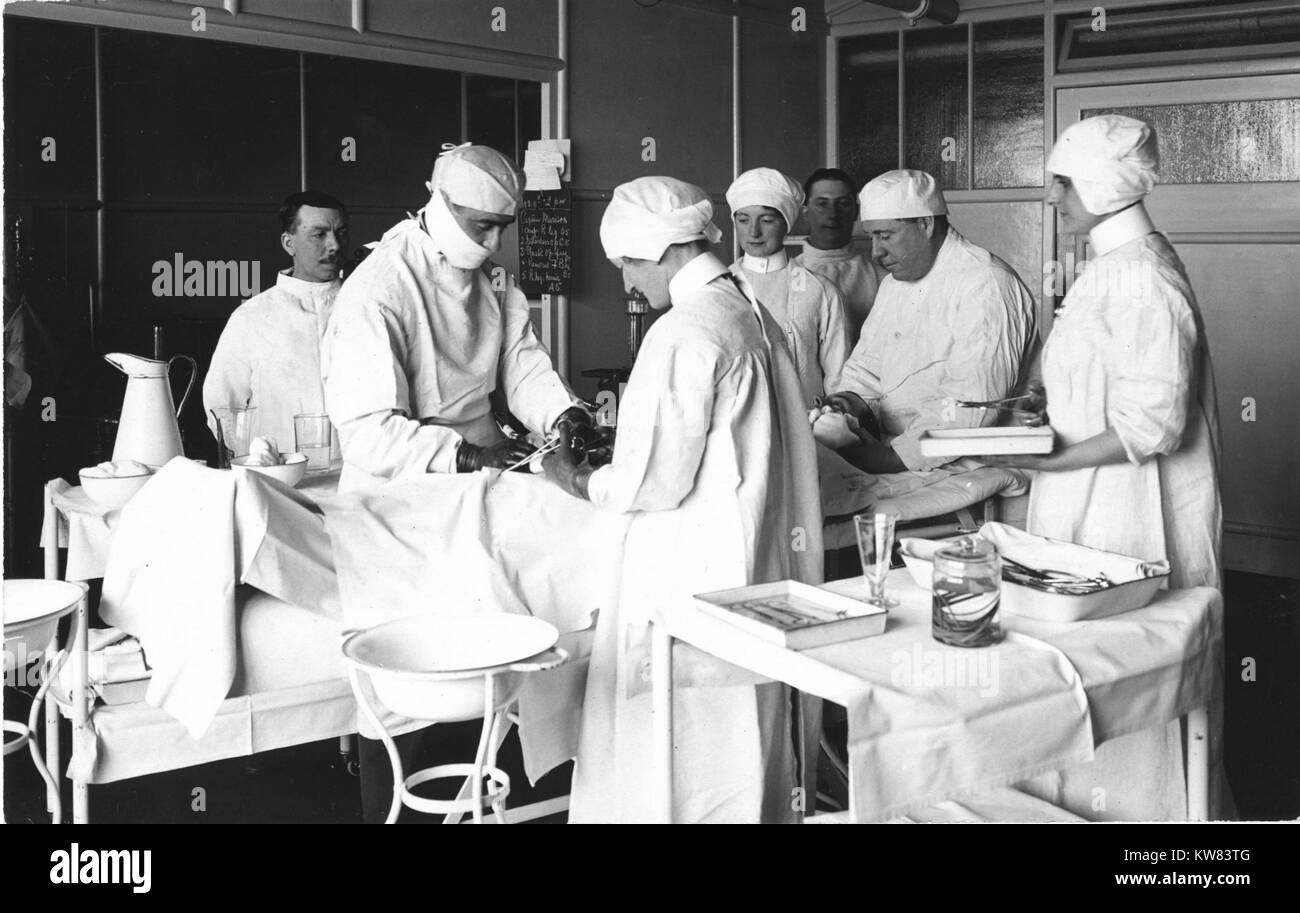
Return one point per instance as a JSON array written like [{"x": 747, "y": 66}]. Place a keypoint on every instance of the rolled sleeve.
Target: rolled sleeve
[{"x": 1150, "y": 394}]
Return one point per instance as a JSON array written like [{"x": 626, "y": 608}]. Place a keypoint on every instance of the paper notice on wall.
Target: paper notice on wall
[{"x": 560, "y": 147}]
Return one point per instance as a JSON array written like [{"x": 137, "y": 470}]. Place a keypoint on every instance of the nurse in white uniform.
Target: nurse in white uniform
[
  {"x": 1130, "y": 394},
  {"x": 765, "y": 203},
  {"x": 426, "y": 329},
  {"x": 715, "y": 461}
]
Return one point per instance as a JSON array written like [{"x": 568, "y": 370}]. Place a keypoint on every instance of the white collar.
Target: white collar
[
  {"x": 1121, "y": 228},
  {"x": 847, "y": 252},
  {"x": 301, "y": 287},
  {"x": 773, "y": 264},
  {"x": 698, "y": 273}
]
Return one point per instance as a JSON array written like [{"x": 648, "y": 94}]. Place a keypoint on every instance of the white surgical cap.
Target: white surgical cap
[
  {"x": 901, "y": 195},
  {"x": 648, "y": 215},
  {"x": 478, "y": 177},
  {"x": 1111, "y": 160},
  {"x": 766, "y": 187}
]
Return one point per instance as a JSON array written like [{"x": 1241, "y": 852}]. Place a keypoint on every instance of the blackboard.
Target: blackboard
[{"x": 545, "y": 231}]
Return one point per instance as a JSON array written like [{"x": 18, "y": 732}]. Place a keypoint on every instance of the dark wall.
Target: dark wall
[{"x": 665, "y": 72}]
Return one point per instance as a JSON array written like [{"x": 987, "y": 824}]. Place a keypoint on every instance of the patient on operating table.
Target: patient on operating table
[{"x": 951, "y": 323}]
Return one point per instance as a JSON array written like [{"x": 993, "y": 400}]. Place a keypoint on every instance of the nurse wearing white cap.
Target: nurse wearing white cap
[
  {"x": 716, "y": 463},
  {"x": 1130, "y": 394},
  {"x": 951, "y": 322},
  {"x": 1127, "y": 371},
  {"x": 764, "y": 204},
  {"x": 421, "y": 335}
]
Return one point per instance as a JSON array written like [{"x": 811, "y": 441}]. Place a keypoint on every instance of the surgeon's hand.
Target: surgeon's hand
[
  {"x": 506, "y": 452},
  {"x": 580, "y": 428},
  {"x": 563, "y": 468}
]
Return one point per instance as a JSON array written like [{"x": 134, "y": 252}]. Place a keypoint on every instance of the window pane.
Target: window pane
[
  {"x": 1008, "y": 102},
  {"x": 492, "y": 112},
  {"x": 1229, "y": 142},
  {"x": 937, "y": 130},
  {"x": 868, "y": 105},
  {"x": 1173, "y": 30}
]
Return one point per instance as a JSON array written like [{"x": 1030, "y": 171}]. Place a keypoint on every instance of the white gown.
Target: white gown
[
  {"x": 269, "y": 357},
  {"x": 850, "y": 270},
  {"x": 414, "y": 349},
  {"x": 716, "y": 461},
  {"x": 963, "y": 331},
  {"x": 1129, "y": 352},
  {"x": 810, "y": 310}
]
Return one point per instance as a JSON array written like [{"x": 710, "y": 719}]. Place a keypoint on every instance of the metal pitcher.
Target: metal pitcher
[{"x": 147, "y": 431}]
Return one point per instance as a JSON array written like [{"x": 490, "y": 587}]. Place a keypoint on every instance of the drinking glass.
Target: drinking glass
[
  {"x": 312, "y": 435},
  {"x": 876, "y": 547},
  {"x": 234, "y": 432}
]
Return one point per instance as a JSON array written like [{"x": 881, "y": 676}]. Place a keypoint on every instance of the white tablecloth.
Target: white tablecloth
[{"x": 929, "y": 722}]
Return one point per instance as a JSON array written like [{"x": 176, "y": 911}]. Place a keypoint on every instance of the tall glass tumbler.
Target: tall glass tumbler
[
  {"x": 313, "y": 436},
  {"x": 875, "y": 548}
]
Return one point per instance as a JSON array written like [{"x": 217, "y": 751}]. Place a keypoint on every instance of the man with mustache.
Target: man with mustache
[{"x": 269, "y": 352}]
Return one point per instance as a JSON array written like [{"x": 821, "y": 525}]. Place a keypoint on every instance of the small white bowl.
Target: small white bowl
[
  {"x": 290, "y": 471},
  {"x": 114, "y": 491}
]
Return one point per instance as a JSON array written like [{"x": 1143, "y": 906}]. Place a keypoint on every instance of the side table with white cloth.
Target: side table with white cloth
[{"x": 929, "y": 723}]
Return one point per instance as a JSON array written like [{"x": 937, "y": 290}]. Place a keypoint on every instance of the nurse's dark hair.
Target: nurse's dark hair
[
  {"x": 830, "y": 174},
  {"x": 296, "y": 201}
]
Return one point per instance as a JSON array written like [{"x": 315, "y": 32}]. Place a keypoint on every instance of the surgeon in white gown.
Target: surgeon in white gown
[
  {"x": 426, "y": 329},
  {"x": 1130, "y": 394},
  {"x": 951, "y": 322},
  {"x": 764, "y": 204},
  {"x": 716, "y": 463}
]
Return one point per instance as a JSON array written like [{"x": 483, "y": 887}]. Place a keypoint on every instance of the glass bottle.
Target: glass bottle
[{"x": 967, "y": 595}]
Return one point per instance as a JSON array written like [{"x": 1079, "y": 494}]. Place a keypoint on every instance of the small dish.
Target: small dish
[{"x": 290, "y": 471}]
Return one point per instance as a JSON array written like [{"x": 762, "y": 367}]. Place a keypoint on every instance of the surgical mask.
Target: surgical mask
[{"x": 461, "y": 251}]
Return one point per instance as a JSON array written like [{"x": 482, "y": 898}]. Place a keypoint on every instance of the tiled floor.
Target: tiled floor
[{"x": 311, "y": 784}]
